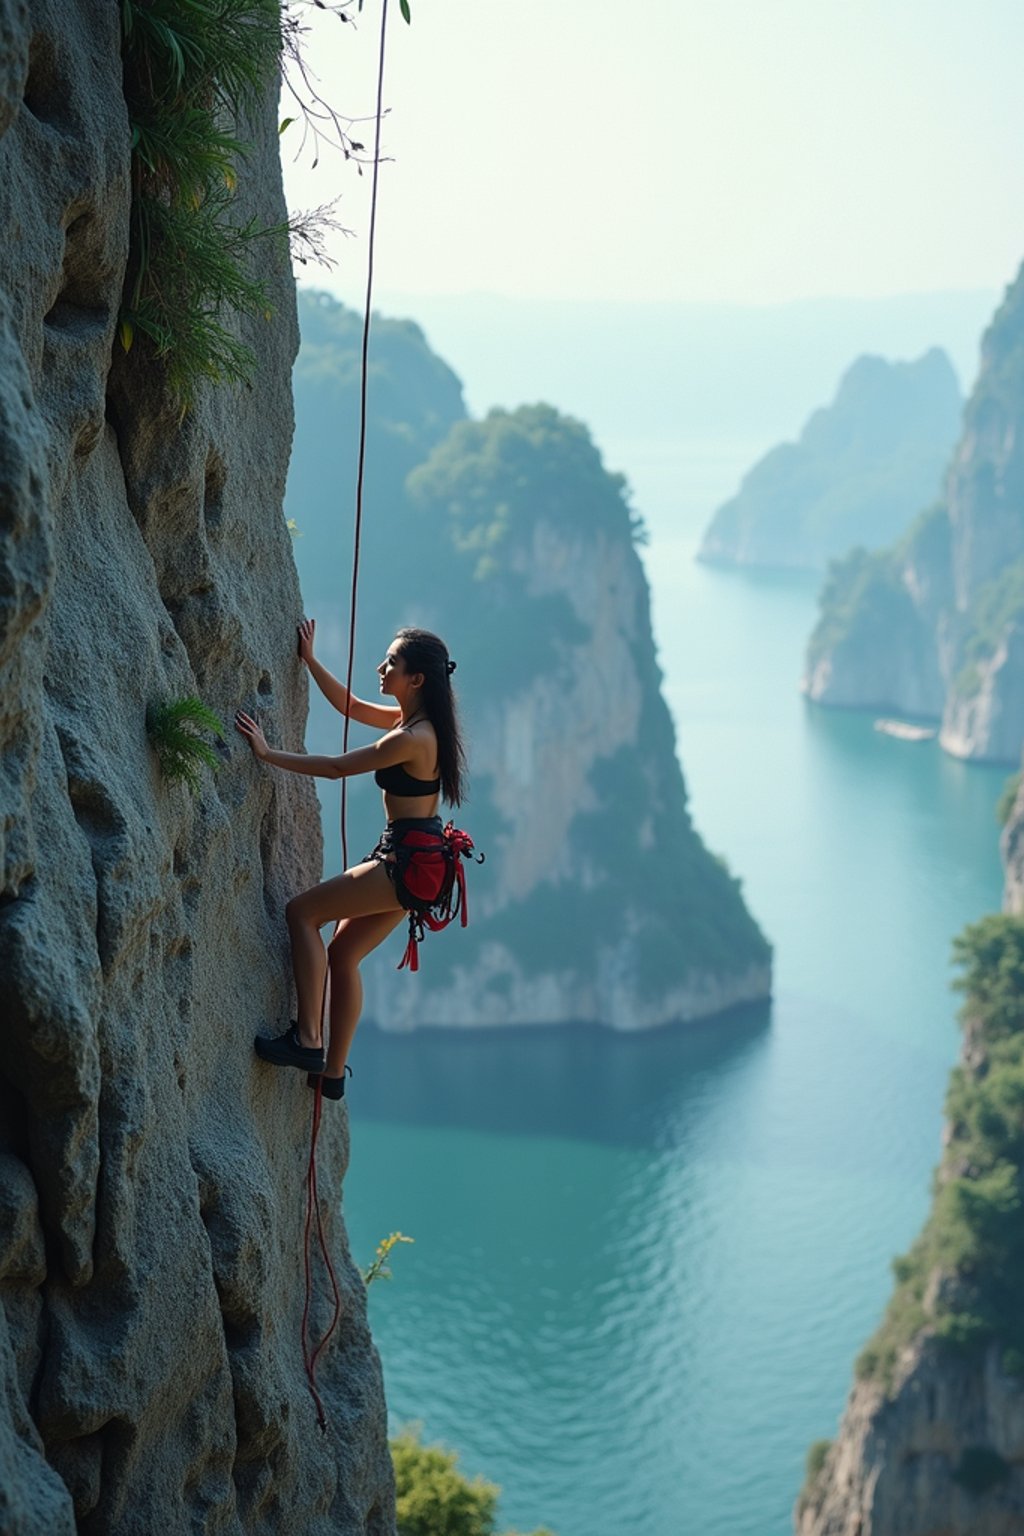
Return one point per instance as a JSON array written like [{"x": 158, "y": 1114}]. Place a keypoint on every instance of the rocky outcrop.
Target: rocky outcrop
[
  {"x": 931, "y": 1442},
  {"x": 860, "y": 466},
  {"x": 598, "y": 902},
  {"x": 943, "y": 1456},
  {"x": 953, "y": 586},
  {"x": 151, "y": 1171}
]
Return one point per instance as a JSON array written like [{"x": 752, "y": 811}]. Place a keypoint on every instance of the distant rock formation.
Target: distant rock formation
[
  {"x": 935, "y": 625},
  {"x": 151, "y": 1170},
  {"x": 861, "y": 468},
  {"x": 598, "y": 902}
]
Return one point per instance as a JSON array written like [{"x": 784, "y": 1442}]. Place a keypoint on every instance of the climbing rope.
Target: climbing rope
[{"x": 309, "y": 1357}]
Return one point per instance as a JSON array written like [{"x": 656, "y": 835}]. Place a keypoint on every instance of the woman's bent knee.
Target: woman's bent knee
[{"x": 297, "y": 913}]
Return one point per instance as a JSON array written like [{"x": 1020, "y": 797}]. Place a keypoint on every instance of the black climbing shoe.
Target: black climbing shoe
[
  {"x": 333, "y": 1087},
  {"x": 288, "y": 1051}
]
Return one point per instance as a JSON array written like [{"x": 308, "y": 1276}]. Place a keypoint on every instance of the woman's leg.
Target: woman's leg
[
  {"x": 360, "y": 892},
  {"x": 353, "y": 942}
]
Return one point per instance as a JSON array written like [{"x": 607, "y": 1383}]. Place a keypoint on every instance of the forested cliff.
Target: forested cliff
[
  {"x": 151, "y": 1216},
  {"x": 934, "y": 626},
  {"x": 598, "y": 901}
]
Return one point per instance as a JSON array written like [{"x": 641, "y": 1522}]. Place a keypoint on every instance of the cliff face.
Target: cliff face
[
  {"x": 955, "y": 583},
  {"x": 598, "y": 902},
  {"x": 150, "y": 1170},
  {"x": 860, "y": 465},
  {"x": 931, "y": 1442},
  {"x": 943, "y": 1457}
]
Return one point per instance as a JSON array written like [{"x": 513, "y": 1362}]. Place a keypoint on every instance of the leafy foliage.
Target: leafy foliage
[
  {"x": 961, "y": 1279},
  {"x": 173, "y": 730},
  {"x": 435, "y": 1499},
  {"x": 190, "y": 66}
]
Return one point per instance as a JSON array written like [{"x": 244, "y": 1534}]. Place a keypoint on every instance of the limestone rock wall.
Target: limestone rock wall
[
  {"x": 151, "y": 1171},
  {"x": 898, "y": 1466}
]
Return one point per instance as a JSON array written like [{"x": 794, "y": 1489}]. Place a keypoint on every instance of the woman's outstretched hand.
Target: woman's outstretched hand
[
  {"x": 307, "y": 633},
  {"x": 248, "y": 727}
]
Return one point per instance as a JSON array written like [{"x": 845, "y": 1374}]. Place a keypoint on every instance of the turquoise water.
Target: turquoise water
[{"x": 643, "y": 1265}]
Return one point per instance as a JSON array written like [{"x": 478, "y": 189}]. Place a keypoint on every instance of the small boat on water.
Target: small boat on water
[{"x": 905, "y": 731}]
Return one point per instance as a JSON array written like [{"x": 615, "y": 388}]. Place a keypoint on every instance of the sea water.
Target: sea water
[{"x": 644, "y": 1264}]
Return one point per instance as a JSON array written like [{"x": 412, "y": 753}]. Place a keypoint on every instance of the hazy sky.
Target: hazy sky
[{"x": 733, "y": 150}]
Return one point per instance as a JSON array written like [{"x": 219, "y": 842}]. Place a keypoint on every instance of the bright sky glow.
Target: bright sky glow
[{"x": 749, "y": 151}]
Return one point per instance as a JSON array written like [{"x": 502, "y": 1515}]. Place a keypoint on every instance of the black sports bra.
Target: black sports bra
[{"x": 396, "y": 781}]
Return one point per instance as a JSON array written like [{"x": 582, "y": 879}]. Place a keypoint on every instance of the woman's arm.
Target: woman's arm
[
  {"x": 385, "y": 753},
  {"x": 336, "y": 693}
]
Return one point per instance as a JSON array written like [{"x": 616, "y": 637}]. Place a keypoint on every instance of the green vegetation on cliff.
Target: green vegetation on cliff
[
  {"x": 960, "y": 1282},
  {"x": 862, "y": 593},
  {"x": 190, "y": 69}
]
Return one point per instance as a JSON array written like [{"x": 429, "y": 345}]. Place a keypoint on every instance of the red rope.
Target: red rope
[{"x": 312, "y": 1194}]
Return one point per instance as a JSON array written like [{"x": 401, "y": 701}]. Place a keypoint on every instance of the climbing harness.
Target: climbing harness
[{"x": 430, "y": 882}]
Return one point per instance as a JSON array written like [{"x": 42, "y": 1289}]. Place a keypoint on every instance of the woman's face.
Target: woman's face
[{"x": 394, "y": 678}]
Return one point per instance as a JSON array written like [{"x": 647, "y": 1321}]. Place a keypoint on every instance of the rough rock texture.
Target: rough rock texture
[
  {"x": 861, "y": 464},
  {"x": 935, "y": 626},
  {"x": 891, "y": 1470},
  {"x": 151, "y": 1172}
]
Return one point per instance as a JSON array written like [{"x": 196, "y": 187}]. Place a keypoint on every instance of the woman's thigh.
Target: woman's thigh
[
  {"x": 363, "y": 891},
  {"x": 358, "y": 935}
]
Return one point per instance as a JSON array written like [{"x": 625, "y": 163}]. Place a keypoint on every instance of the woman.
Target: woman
[{"x": 419, "y": 758}]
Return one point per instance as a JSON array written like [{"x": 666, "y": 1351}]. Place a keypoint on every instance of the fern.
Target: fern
[{"x": 173, "y": 731}]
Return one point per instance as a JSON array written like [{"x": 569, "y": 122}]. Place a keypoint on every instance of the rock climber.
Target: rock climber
[{"x": 418, "y": 760}]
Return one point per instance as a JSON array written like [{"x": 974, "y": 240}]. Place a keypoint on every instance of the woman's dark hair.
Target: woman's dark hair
[{"x": 424, "y": 652}]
